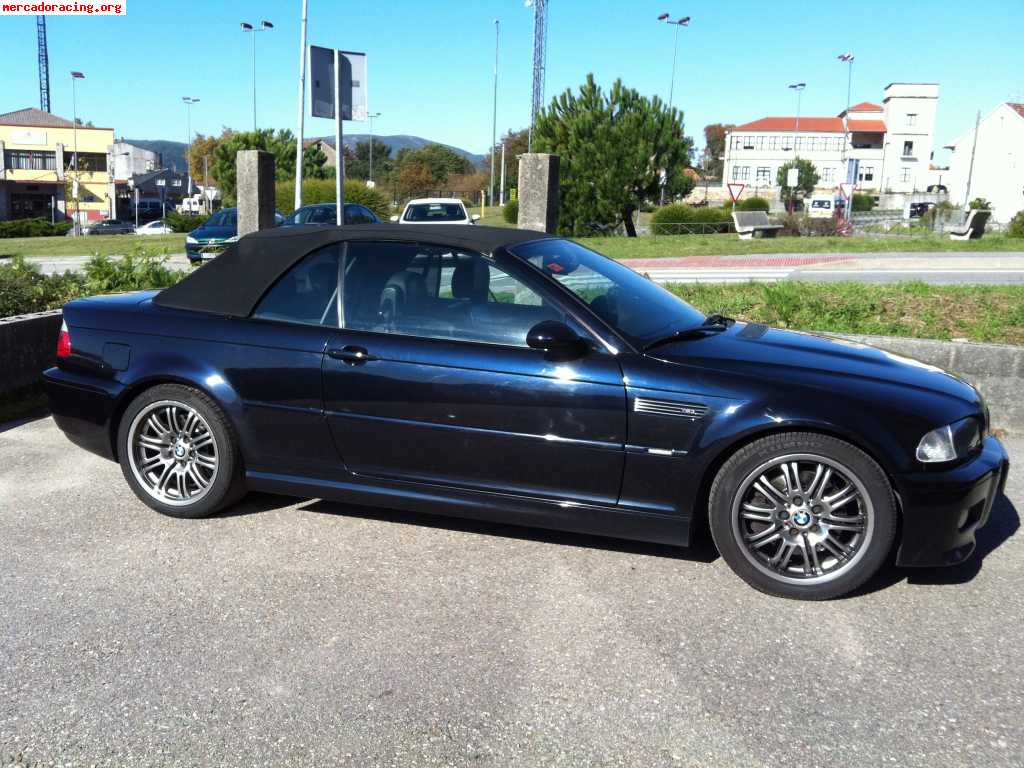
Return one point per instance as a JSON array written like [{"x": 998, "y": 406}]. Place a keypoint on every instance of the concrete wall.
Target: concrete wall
[{"x": 28, "y": 345}]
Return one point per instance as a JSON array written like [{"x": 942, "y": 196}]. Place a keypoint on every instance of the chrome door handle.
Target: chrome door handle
[{"x": 351, "y": 355}]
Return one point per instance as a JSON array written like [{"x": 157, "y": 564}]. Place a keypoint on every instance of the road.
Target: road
[
  {"x": 938, "y": 268},
  {"x": 306, "y": 633}
]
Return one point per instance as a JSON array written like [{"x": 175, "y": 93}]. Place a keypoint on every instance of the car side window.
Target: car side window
[
  {"x": 437, "y": 292},
  {"x": 307, "y": 293}
]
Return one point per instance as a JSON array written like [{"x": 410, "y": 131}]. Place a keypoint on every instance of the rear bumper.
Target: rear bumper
[
  {"x": 83, "y": 407},
  {"x": 942, "y": 511}
]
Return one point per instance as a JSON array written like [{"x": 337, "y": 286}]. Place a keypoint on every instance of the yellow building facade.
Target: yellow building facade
[{"x": 39, "y": 174}]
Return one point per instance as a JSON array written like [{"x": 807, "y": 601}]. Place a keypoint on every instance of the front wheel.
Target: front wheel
[
  {"x": 802, "y": 515},
  {"x": 178, "y": 453}
]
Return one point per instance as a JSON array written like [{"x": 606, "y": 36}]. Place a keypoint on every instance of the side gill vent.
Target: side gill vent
[{"x": 669, "y": 408}]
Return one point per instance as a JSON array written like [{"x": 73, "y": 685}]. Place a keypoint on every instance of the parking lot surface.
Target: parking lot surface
[{"x": 305, "y": 633}]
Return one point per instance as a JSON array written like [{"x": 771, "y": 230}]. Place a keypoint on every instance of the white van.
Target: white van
[{"x": 822, "y": 206}]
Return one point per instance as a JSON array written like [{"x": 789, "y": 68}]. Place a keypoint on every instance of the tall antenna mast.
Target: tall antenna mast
[
  {"x": 44, "y": 65},
  {"x": 540, "y": 55}
]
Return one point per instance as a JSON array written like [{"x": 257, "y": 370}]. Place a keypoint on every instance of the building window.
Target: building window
[
  {"x": 27, "y": 160},
  {"x": 828, "y": 175},
  {"x": 908, "y": 149},
  {"x": 867, "y": 173},
  {"x": 904, "y": 174},
  {"x": 740, "y": 172},
  {"x": 911, "y": 120},
  {"x": 88, "y": 162},
  {"x": 764, "y": 177}
]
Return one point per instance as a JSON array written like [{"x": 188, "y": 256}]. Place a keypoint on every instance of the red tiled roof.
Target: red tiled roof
[
  {"x": 866, "y": 106},
  {"x": 812, "y": 125},
  {"x": 1018, "y": 108}
]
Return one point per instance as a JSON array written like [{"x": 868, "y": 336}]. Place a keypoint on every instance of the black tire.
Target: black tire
[
  {"x": 227, "y": 485},
  {"x": 803, "y": 525}
]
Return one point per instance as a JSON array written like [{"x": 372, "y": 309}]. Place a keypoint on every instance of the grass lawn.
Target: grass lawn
[
  {"x": 650, "y": 247},
  {"x": 992, "y": 313},
  {"x": 107, "y": 245}
]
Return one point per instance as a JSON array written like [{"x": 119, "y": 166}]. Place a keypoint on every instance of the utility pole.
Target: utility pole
[
  {"x": 302, "y": 104},
  {"x": 494, "y": 118},
  {"x": 848, "y": 59},
  {"x": 799, "y": 88},
  {"x": 75, "y": 181},
  {"x": 974, "y": 148},
  {"x": 501, "y": 186}
]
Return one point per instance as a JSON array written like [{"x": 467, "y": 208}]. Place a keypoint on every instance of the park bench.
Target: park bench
[
  {"x": 973, "y": 227},
  {"x": 751, "y": 224}
]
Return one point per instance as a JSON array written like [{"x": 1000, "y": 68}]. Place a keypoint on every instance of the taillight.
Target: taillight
[{"x": 64, "y": 341}]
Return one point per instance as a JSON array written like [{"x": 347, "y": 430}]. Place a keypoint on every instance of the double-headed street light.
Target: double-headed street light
[
  {"x": 683, "y": 21},
  {"x": 264, "y": 26},
  {"x": 74, "y": 110},
  {"x": 189, "y": 101},
  {"x": 799, "y": 88}
]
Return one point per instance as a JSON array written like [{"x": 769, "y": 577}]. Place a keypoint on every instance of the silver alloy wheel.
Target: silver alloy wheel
[
  {"x": 173, "y": 453},
  {"x": 803, "y": 519}
]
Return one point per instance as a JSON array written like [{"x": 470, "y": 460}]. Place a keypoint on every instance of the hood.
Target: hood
[
  {"x": 213, "y": 233},
  {"x": 806, "y": 359}
]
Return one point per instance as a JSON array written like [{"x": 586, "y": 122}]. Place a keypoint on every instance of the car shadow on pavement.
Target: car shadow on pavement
[
  {"x": 703, "y": 550},
  {"x": 1003, "y": 522}
]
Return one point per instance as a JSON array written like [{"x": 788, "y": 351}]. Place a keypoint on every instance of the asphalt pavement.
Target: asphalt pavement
[{"x": 308, "y": 633}]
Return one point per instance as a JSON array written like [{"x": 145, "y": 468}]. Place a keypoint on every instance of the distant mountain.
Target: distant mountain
[
  {"x": 401, "y": 141},
  {"x": 173, "y": 152}
]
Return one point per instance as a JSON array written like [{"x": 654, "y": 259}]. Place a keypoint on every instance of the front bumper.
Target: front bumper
[
  {"x": 204, "y": 251},
  {"x": 83, "y": 407},
  {"x": 942, "y": 511}
]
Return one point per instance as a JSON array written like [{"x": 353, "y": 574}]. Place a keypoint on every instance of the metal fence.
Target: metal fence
[{"x": 693, "y": 228}]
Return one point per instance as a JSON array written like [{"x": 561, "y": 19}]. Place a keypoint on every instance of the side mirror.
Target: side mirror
[
  {"x": 475, "y": 217},
  {"x": 556, "y": 337},
  {"x": 394, "y": 219}
]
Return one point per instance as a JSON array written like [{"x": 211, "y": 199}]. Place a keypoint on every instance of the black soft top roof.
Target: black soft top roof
[{"x": 235, "y": 281}]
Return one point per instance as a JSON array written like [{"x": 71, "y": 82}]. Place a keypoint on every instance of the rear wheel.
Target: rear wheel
[
  {"x": 177, "y": 452},
  {"x": 802, "y": 515}
]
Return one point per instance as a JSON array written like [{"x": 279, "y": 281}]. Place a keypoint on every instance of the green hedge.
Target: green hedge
[
  {"x": 322, "y": 191},
  {"x": 181, "y": 222},
  {"x": 863, "y": 203},
  {"x": 753, "y": 204},
  {"x": 33, "y": 228},
  {"x": 665, "y": 219},
  {"x": 511, "y": 212},
  {"x": 1016, "y": 228}
]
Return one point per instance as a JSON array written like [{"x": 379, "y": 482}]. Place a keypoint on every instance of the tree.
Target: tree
[
  {"x": 807, "y": 182},
  {"x": 314, "y": 163},
  {"x": 280, "y": 143},
  {"x": 516, "y": 144},
  {"x": 440, "y": 160},
  {"x": 714, "y": 138},
  {"x": 414, "y": 178},
  {"x": 612, "y": 146},
  {"x": 357, "y": 160},
  {"x": 203, "y": 147}
]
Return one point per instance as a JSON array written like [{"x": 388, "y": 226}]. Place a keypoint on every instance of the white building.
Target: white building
[
  {"x": 891, "y": 142},
  {"x": 128, "y": 160},
  {"x": 998, "y": 167}
]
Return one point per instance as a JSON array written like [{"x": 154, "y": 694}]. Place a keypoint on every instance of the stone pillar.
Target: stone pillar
[
  {"x": 254, "y": 190},
  {"x": 538, "y": 192}
]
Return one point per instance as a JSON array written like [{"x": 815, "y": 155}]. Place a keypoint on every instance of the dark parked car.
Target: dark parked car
[
  {"x": 326, "y": 214},
  {"x": 516, "y": 377},
  {"x": 111, "y": 227},
  {"x": 209, "y": 239}
]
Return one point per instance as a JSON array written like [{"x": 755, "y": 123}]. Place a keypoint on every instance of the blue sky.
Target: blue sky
[{"x": 430, "y": 64}]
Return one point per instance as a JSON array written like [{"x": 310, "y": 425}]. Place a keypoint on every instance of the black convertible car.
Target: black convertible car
[{"x": 513, "y": 376}]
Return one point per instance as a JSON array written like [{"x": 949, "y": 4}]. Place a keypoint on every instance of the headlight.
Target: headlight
[
  {"x": 232, "y": 239},
  {"x": 191, "y": 240},
  {"x": 950, "y": 442}
]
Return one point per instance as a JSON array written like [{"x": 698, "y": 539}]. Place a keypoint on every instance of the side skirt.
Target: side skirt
[{"x": 503, "y": 508}]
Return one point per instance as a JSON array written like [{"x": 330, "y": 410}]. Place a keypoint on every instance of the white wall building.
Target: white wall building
[
  {"x": 998, "y": 173},
  {"x": 130, "y": 160},
  {"x": 892, "y": 143}
]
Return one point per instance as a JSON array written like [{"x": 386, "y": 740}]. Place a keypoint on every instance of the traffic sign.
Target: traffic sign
[
  {"x": 735, "y": 190},
  {"x": 847, "y": 190}
]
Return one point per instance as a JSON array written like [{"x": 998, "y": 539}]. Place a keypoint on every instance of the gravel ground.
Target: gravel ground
[{"x": 306, "y": 633}]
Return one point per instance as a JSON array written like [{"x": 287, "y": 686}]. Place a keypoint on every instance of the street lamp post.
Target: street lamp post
[
  {"x": 799, "y": 88},
  {"x": 264, "y": 26},
  {"x": 848, "y": 59},
  {"x": 74, "y": 116},
  {"x": 494, "y": 116},
  {"x": 370, "y": 117},
  {"x": 189, "y": 101},
  {"x": 683, "y": 21}
]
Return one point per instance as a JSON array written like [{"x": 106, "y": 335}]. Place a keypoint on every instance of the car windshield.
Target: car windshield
[
  {"x": 435, "y": 212},
  {"x": 641, "y": 310}
]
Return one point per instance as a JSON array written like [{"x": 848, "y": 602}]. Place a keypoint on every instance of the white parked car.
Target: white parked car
[
  {"x": 154, "y": 228},
  {"x": 435, "y": 210}
]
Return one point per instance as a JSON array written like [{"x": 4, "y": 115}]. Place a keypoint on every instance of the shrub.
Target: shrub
[
  {"x": 24, "y": 289},
  {"x": 183, "y": 222},
  {"x": 322, "y": 191},
  {"x": 137, "y": 271},
  {"x": 753, "y": 204},
  {"x": 1016, "y": 227},
  {"x": 802, "y": 225},
  {"x": 979, "y": 204},
  {"x": 666, "y": 220},
  {"x": 863, "y": 203},
  {"x": 33, "y": 228},
  {"x": 511, "y": 212}
]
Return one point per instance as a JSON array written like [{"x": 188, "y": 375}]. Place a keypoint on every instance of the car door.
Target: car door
[{"x": 429, "y": 379}]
